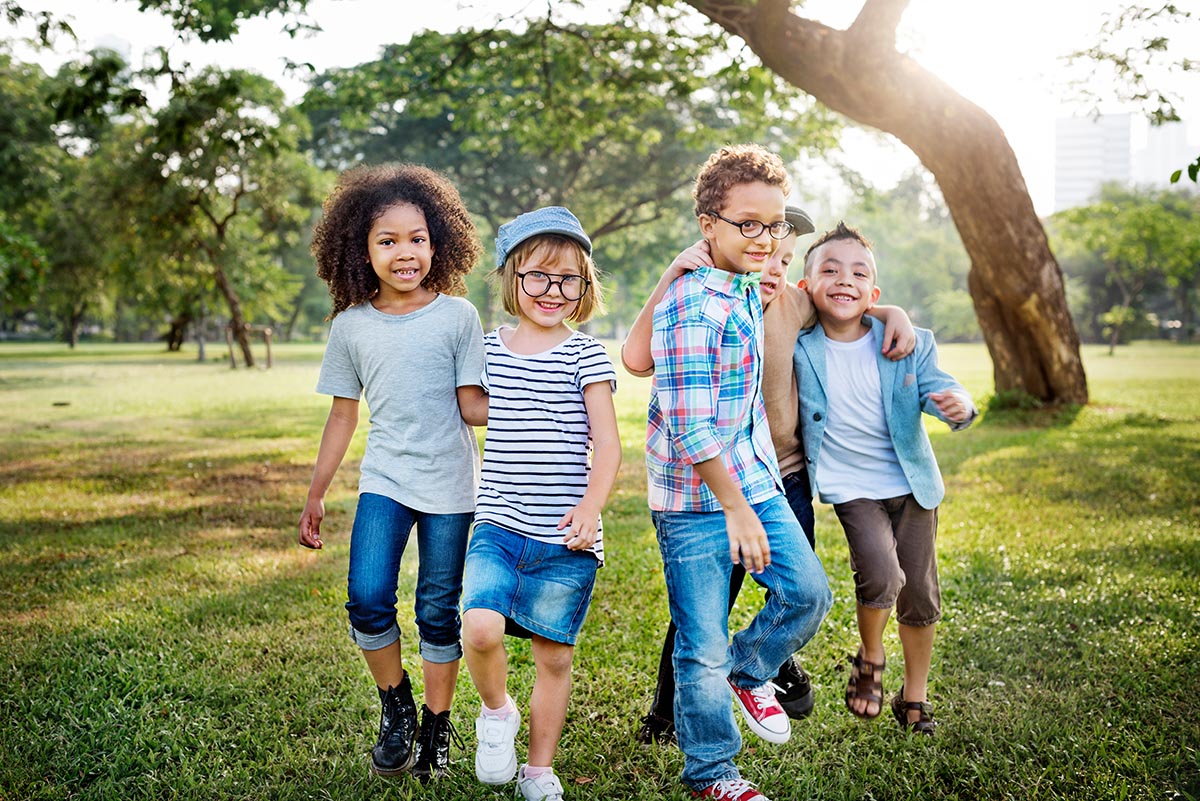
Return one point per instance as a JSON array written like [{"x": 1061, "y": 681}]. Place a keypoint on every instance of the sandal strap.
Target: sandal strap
[
  {"x": 863, "y": 686},
  {"x": 862, "y": 664}
]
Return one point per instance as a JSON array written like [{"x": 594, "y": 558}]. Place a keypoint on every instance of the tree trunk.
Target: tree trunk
[
  {"x": 177, "y": 333},
  {"x": 1015, "y": 281},
  {"x": 73, "y": 322},
  {"x": 236, "y": 320}
]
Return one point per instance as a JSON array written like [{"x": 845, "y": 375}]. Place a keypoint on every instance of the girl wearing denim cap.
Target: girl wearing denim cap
[
  {"x": 550, "y": 460},
  {"x": 392, "y": 241}
]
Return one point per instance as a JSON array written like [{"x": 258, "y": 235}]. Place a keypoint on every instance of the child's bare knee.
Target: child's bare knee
[{"x": 482, "y": 629}]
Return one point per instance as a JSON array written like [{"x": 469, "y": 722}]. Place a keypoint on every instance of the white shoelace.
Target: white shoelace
[
  {"x": 732, "y": 789},
  {"x": 764, "y": 696}
]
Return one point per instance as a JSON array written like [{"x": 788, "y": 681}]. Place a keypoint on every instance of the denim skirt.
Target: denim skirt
[{"x": 543, "y": 588}]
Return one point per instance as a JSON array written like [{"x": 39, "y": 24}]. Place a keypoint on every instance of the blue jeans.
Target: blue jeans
[
  {"x": 697, "y": 568},
  {"x": 377, "y": 543}
]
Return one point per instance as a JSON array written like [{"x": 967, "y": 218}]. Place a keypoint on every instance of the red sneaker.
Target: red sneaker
[
  {"x": 731, "y": 790},
  {"x": 762, "y": 712}
]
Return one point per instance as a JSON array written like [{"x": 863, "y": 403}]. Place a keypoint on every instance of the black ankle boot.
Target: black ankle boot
[
  {"x": 393, "y": 752},
  {"x": 433, "y": 744}
]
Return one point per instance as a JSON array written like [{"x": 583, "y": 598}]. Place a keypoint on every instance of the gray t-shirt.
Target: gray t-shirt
[{"x": 420, "y": 453}]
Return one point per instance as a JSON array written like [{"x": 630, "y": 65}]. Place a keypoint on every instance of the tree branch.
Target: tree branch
[{"x": 877, "y": 21}]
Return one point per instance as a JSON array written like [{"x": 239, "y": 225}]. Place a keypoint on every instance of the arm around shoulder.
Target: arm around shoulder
[{"x": 635, "y": 350}]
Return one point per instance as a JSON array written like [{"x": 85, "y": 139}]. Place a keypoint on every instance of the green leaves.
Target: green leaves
[
  {"x": 219, "y": 20},
  {"x": 1193, "y": 171}
]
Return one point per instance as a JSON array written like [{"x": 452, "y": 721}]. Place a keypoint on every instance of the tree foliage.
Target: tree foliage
[
  {"x": 1137, "y": 252},
  {"x": 1135, "y": 46},
  {"x": 610, "y": 119}
]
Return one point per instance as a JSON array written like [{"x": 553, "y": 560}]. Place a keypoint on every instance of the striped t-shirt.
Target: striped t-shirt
[{"x": 537, "y": 454}]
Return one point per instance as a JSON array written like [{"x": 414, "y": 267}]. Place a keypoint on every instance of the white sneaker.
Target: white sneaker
[
  {"x": 546, "y": 787},
  {"x": 495, "y": 755}
]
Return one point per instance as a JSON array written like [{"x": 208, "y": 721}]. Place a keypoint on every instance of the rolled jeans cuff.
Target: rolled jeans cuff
[
  {"x": 441, "y": 654},
  {"x": 373, "y": 642}
]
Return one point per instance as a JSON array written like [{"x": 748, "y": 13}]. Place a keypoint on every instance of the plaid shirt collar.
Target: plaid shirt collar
[{"x": 727, "y": 283}]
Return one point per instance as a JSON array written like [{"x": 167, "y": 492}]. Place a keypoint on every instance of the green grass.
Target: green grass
[{"x": 163, "y": 637}]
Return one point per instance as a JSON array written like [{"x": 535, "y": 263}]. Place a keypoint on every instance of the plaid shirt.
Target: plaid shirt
[{"x": 706, "y": 400}]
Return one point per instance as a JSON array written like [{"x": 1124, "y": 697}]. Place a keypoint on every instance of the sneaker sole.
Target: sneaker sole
[
  {"x": 405, "y": 768},
  {"x": 497, "y": 777},
  {"x": 763, "y": 733}
]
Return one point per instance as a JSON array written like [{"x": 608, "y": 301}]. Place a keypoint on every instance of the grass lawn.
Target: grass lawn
[{"x": 162, "y": 635}]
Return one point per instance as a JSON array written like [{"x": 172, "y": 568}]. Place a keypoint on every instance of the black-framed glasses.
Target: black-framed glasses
[
  {"x": 537, "y": 283},
  {"x": 752, "y": 228}
]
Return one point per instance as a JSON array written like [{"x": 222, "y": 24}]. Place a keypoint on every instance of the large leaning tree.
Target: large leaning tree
[{"x": 1015, "y": 281}]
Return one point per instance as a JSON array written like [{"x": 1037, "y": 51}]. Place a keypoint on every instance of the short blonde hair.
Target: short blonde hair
[{"x": 553, "y": 247}]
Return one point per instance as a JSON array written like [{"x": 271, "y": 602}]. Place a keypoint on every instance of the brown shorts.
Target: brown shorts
[{"x": 893, "y": 557}]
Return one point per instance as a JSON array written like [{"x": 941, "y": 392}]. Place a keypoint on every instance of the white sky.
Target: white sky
[{"x": 1004, "y": 56}]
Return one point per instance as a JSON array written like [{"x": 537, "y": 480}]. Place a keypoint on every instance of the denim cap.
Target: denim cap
[
  {"x": 546, "y": 220},
  {"x": 799, "y": 219}
]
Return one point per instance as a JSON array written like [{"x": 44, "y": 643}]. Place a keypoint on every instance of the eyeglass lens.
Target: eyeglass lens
[{"x": 537, "y": 283}]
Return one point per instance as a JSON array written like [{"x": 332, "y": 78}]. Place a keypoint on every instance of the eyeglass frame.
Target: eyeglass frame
[
  {"x": 551, "y": 282},
  {"x": 768, "y": 227}
]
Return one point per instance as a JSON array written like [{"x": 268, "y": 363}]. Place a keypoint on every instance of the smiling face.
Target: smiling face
[
  {"x": 774, "y": 275},
  {"x": 400, "y": 252},
  {"x": 550, "y": 310},
  {"x": 841, "y": 280},
  {"x": 731, "y": 251}
]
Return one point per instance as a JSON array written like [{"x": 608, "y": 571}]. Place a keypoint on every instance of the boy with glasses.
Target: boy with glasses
[{"x": 715, "y": 492}]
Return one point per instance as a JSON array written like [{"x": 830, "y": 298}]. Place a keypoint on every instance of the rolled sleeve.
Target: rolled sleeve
[{"x": 688, "y": 374}]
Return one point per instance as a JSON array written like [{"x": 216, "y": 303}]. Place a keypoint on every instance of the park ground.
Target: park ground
[{"x": 162, "y": 635}]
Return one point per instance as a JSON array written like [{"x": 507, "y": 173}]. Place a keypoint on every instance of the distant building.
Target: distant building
[
  {"x": 1167, "y": 150},
  {"x": 1090, "y": 151}
]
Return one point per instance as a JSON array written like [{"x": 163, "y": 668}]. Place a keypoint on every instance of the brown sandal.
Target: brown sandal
[
  {"x": 864, "y": 686},
  {"x": 925, "y": 724}
]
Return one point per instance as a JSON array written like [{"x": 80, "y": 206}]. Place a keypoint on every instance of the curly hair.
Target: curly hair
[
  {"x": 361, "y": 196},
  {"x": 841, "y": 231},
  {"x": 731, "y": 166},
  {"x": 551, "y": 249}
]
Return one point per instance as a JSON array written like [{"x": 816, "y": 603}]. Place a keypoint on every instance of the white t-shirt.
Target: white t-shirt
[
  {"x": 537, "y": 455},
  {"x": 408, "y": 367},
  {"x": 857, "y": 459}
]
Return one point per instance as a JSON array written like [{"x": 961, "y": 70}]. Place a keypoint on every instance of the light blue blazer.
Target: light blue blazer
[{"x": 906, "y": 385}]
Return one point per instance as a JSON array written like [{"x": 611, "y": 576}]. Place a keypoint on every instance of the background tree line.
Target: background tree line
[{"x": 138, "y": 222}]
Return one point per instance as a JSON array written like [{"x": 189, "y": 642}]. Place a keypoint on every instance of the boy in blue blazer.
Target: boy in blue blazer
[{"x": 868, "y": 455}]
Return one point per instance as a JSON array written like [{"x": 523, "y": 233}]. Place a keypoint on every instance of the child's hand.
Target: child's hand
[
  {"x": 584, "y": 521},
  {"x": 310, "y": 523},
  {"x": 899, "y": 337},
  {"x": 698, "y": 255},
  {"x": 951, "y": 405},
  {"x": 747, "y": 539}
]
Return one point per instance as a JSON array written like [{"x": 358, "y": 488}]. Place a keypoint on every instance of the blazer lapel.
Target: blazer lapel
[{"x": 814, "y": 347}]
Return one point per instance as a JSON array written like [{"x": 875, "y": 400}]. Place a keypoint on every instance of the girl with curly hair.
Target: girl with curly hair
[{"x": 392, "y": 242}]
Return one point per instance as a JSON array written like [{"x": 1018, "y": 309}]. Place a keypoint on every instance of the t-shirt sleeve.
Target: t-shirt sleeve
[
  {"x": 339, "y": 375},
  {"x": 595, "y": 366},
  {"x": 468, "y": 355}
]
